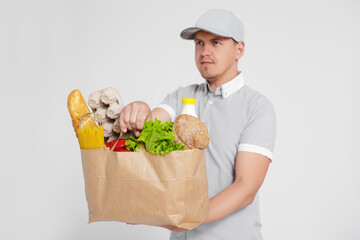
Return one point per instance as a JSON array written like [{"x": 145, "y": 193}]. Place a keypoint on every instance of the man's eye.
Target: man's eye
[
  {"x": 216, "y": 43},
  {"x": 198, "y": 43}
]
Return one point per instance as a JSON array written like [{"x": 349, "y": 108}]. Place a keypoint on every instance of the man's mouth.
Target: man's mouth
[{"x": 206, "y": 63}]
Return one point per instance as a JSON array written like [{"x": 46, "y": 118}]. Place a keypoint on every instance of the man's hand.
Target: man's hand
[
  {"x": 175, "y": 229},
  {"x": 133, "y": 116}
]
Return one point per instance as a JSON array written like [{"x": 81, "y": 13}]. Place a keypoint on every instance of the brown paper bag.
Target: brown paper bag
[{"x": 144, "y": 188}]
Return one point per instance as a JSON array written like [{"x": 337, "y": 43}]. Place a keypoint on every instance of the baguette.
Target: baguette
[{"x": 77, "y": 108}]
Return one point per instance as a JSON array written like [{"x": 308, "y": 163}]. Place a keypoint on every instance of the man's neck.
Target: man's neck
[{"x": 216, "y": 82}]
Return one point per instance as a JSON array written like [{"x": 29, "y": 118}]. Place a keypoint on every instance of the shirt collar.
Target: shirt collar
[{"x": 227, "y": 88}]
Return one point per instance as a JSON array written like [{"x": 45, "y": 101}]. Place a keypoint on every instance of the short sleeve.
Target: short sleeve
[
  {"x": 259, "y": 133},
  {"x": 170, "y": 103}
]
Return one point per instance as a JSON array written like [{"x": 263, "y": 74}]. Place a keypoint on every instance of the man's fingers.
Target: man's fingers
[
  {"x": 141, "y": 118},
  {"x": 169, "y": 228},
  {"x": 149, "y": 117},
  {"x": 133, "y": 116},
  {"x": 175, "y": 229},
  {"x": 137, "y": 133},
  {"x": 125, "y": 118},
  {"x": 127, "y": 115},
  {"x": 139, "y": 123},
  {"x": 121, "y": 121},
  {"x": 144, "y": 114},
  {"x": 133, "y": 119}
]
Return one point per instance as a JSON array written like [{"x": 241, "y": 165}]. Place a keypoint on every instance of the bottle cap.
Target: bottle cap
[{"x": 189, "y": 101}]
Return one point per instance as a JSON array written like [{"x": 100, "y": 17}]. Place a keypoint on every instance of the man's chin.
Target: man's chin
[{"x": 208, "y": 77}]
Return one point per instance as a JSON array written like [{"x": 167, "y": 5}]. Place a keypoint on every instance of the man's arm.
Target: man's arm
[
  {"x": 250, "y": 171},
  {"x": 161, "y": 114}
]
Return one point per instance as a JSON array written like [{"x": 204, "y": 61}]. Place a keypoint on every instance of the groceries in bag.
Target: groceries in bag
[
  {"x": 77, "y": 108},
  {"x": 189, "y": 129},
  {"x": 107, "y": 105},
  {"x": 118, "y": 145},
  {"x": 158, "y": 188},
  {"x": 88, "y": 133},
  {"x": 158, "y": 138},
  {"x": 188, "y": 107},
  {"x": 91, "y": 137}
]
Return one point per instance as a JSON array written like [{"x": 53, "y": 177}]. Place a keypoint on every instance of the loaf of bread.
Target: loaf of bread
[
  {"x": 77, "y": 108},
  {"x": 191, "y": 132}
]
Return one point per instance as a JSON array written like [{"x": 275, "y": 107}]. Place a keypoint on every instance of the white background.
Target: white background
[{"x": 303, "y": 55}]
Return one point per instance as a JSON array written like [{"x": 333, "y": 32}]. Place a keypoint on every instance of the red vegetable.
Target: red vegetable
[
  {"x": 125, "y": 150},
  {"x": 120, "y": 146}
]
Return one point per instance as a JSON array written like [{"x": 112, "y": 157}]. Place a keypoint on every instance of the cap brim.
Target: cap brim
[{"x": 189, "y": 33}]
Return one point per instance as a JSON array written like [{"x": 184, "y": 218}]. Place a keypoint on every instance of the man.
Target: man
[{"x": 241, "y": 124}]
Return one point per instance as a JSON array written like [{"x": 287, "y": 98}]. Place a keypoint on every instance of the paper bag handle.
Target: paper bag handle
[
  {"x": 86, "y": 114},
  {"x": 113, "y": 147}
]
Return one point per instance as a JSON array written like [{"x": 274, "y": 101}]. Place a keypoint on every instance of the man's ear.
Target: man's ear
[{"x": 240, "y": 48}]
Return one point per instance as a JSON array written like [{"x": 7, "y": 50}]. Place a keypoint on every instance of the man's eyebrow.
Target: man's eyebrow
[
  {"x": 212, "y": 39},
  {"x": 217, "y": 39}
]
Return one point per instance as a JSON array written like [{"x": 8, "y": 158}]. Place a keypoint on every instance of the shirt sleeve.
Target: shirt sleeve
[
  {"x": 259, "y": 133},
  {"x": 170, "y": 104}
]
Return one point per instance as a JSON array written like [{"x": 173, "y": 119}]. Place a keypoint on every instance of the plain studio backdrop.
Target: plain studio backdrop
[{"x": 303, "y": 55}]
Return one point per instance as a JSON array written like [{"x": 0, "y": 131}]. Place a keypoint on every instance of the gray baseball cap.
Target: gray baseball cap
[{"x": 219, "y": 22}]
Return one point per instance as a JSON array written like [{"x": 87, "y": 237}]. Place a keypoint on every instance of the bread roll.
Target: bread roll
[
  {"x": 77, "y": 108},
  {"x": 191, "y": 132}
]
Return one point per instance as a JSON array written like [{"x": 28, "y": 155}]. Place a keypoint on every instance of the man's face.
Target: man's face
[{"x": 216, "y": 57}]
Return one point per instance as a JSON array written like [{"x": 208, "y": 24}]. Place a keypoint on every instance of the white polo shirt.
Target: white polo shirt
[{"x": 238, "y": 119}]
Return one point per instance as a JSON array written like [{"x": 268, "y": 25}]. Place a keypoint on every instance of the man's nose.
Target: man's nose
[{"x": 206, "y": 50}]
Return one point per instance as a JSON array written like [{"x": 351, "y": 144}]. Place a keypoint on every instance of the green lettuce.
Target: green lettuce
[{"x": 157, "y": 137}]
